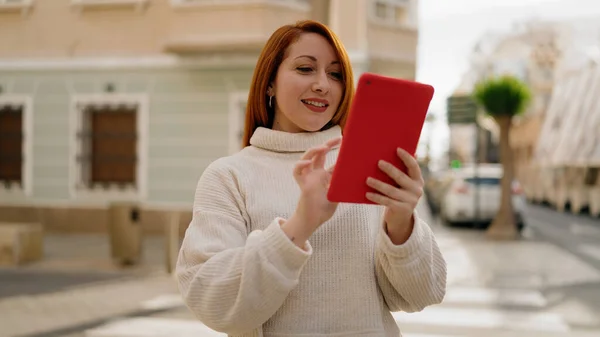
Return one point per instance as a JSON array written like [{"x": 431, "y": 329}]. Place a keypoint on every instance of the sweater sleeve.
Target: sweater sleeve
[
  {"x": 232, "y": 280},
  {"x": 411, "y": 276}
]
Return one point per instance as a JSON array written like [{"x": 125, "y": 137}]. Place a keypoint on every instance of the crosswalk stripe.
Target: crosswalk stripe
[
  {"x": 484, "y": 318},
  {"x": 508, "y": 297},
  {"x": 153, "y": 326}
]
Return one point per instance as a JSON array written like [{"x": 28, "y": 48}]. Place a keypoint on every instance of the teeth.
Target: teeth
[{"x": 321, "y": 105}]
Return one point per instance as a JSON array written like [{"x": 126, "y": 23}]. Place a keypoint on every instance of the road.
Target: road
[
  {"x": 579, "y": 234},
  {"x": 547, "y": 284},
  {"x": 26, "y": 282},
  {"x": 578, "y": 239}
]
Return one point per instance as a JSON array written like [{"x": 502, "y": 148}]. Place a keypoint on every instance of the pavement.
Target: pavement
[
  {"x": 530, "y": 287},
  {"x": 579, "y": 234}
]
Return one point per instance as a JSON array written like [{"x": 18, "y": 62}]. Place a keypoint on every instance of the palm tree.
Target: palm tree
[{"x": 503, "y": 98}]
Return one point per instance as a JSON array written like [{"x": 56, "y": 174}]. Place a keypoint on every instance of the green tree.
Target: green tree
[{"x": 503, "y": 98}]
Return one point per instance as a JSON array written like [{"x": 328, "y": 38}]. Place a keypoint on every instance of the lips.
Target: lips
[{"x": 315, "y": 104}]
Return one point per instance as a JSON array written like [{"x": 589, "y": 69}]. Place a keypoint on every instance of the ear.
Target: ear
[{"x": 270, "y": 90}]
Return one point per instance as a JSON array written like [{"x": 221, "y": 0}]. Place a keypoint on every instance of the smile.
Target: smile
[{"x": 315, "y": 103}]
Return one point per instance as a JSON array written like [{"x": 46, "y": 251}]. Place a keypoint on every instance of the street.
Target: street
[
  {"x": 579, "y": 234},
  {"x": 546, "y": 284}
]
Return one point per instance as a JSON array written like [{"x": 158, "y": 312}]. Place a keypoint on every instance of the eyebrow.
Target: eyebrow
[{"x": 314, "y": 58}]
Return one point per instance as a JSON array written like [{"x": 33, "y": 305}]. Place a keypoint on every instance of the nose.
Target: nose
[{"x": 321, "y": 84}]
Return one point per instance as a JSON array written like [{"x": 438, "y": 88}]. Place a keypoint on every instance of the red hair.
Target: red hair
[{"x": 270, "y": 59}]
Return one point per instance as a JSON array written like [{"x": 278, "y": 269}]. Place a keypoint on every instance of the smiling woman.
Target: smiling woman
[
  {"x": 293, "y": 58},
  {"x": 266, "y": 253}
]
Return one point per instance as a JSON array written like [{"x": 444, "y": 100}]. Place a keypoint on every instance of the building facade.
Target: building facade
[
  {"x": 554, "y": 143},
  {"x": 129, "y": 100},
  {"x": 531, "y": 53}
]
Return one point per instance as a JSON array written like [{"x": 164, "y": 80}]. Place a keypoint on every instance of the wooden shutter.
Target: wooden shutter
[
  {"x": 11, "y": 145},
  {"x": 113, "y": 139}
]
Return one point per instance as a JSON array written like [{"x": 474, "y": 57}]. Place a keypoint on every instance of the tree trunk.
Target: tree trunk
[{"x": 503, "y": 226}]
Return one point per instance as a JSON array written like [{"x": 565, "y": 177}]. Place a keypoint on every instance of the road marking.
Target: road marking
[
  {"x": 512, "y": 297},
  {"x": 583, "y": 230},
  {"x": 153, "y": 327},
  {"x": 163, "y": 302},
  {"x": 484, "y": 318},
  {"x": 589, "y": 250}
]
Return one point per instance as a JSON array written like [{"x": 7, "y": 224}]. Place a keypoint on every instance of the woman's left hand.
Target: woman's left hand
[{"x": 400, "y": 201}]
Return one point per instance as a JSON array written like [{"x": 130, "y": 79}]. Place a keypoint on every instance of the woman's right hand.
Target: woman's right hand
[{"x": 313, "y": 207}]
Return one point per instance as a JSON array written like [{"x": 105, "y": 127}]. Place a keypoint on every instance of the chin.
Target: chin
[
  {"x": 313, "y": 127},
  {"x": 314, "y": 124}
]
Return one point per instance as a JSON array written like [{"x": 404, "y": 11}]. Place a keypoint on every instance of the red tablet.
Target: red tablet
[{"x": 386, "y": 113}]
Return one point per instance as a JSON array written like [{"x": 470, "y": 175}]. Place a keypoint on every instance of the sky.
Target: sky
[{"x": 449, "y": 29}]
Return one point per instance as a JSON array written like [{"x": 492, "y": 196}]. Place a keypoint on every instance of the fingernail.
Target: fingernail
[{"x": 381, "y": 163}]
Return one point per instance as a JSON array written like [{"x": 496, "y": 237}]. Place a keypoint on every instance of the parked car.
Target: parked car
[
  {"x": 436, "y": 185},
  {"x": 473, "y": 197}
]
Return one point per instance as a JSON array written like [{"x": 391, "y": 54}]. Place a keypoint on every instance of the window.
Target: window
[
  {"x": 15, "y": 5},
  {"x": 591, "y": 176},
  {"x": 391, "y": 11},
  {"x": 108, "y": 139},
  {"x": 485, "y": 181},
  {"x": 15, "y": 2},
  {"x": 108, "y": 152},
  {"x": 237, "y": 119},
  {"x": 15, "y": 144},
  {"x": 11, "y": 145}
]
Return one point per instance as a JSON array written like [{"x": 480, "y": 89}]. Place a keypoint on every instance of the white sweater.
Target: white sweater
[{"x": 240, "y": 274}]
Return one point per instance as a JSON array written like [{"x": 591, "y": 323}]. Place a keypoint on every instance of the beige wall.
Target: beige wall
[
  {"x": 55, "y": 32},
  {"x": 392, "y": 43},
  {"x": 58, "y": 29}
]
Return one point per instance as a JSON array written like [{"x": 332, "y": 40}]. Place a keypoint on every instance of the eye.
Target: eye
[
  {"x": 337, "y": 75},
  {"x": 304, "y": 69}
]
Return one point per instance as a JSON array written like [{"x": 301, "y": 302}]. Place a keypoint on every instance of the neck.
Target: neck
[{"x": 282, "y": 141}]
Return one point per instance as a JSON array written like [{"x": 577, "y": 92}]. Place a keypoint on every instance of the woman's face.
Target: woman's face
[{"x": 308, "y": 85}]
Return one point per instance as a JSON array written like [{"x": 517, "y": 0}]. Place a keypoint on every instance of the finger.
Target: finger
[
  {"x": 390, "y": 191},
  {"x": 330, "y": 169},
  {"x": 385, "y": 201},
  {"x": 300, "y": 166},
  {"x": 333, "y": 142},
  {"x": 414, "y": 170},
  {"x": 403, "y": 180},
  {"x": 310, "y": 153},
  {"x": 319, "y": 160}
]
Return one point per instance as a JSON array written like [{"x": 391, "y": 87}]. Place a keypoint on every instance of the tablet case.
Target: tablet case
[{"x": 386, "y": 113}]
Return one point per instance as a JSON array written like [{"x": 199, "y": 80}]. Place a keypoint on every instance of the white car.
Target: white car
[{"x": 464, "y": 202}]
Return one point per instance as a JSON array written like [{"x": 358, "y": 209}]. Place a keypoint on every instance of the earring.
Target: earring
[{"x": 270, "y": 101}]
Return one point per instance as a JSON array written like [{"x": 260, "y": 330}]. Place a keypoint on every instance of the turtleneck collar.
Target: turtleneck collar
[{"x": 280, "y": 141}]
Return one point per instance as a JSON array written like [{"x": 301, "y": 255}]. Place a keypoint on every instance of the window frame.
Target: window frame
[
  {"x": 79, "y": 189},
  {"x": 26, "y": 186},
  {"x": 390, "y": 8}
]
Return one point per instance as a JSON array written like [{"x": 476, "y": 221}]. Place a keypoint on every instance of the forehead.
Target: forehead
[{"x": 312, "y": 44}]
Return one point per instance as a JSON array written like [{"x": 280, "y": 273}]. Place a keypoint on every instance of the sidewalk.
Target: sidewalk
[{"x": 494, "y": 289}]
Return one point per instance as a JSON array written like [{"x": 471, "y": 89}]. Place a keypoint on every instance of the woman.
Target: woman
[{"x": 266, "y": 253}]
